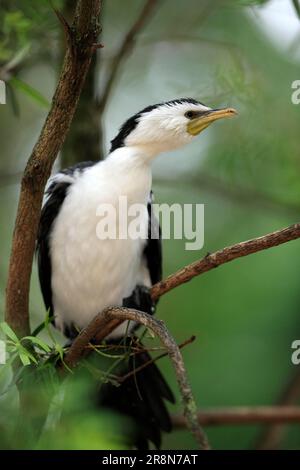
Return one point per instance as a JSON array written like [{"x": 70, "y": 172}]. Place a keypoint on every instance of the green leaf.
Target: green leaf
[
  {"x": 9, "y": 332},
  {"x": 49, "y": 318},
  {"x": 24, "y": 358},
  {"x": 38, "y": 342},
  {"x": 104, "y": 354},
  {"x": 59, "y": 349},
  {"x": 24, "y": 352},
  {"x": 29, "y": 91}
]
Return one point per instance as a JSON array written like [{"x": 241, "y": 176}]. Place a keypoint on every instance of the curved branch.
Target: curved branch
[
  {"x": 99, "y": 324},
  {"x": 243, "y": 415},
  {"x": 81, "y": 36},
  {"x": 223, "y": 256}
]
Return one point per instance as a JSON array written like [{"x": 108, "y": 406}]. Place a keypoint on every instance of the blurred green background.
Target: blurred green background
[{"x": 246, "y": 171}]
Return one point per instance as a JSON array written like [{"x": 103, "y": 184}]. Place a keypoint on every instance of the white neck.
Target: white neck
[
  {"x": 134, "y": 155},
  {"x": 130, "y": 169}
]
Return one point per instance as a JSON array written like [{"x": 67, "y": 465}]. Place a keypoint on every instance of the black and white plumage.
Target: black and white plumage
[{"x": 81, "y": 275}]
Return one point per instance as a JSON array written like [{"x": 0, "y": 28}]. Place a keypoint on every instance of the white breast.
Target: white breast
[{"x": 90, "y": 274}]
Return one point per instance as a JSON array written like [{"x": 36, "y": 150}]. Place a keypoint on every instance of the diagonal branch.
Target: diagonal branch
[
  {"x": 223, "y": 256},
  {"x": 125, "y": 49},
  {"x": 99, "y": 324},
  {"x": 82, "y": 34}
]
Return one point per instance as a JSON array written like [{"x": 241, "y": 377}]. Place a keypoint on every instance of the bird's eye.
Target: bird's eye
[{"x": 190, "y": 114}]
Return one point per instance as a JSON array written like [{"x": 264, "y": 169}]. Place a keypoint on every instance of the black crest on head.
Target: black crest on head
[{"x": 131, "y": 123}]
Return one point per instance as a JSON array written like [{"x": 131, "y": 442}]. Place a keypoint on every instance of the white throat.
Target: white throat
[
  {"x": 130, "y": 170},
  {"x": 135, "y": 155}
]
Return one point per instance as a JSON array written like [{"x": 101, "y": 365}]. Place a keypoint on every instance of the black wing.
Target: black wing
[
  {"x": 153, "y": 248},
  {"x": 55, "y": 196},
  {"x": 140, "y": 298}
]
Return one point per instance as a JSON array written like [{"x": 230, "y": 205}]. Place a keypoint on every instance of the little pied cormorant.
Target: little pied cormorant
[{"x": 81, "y": 275}]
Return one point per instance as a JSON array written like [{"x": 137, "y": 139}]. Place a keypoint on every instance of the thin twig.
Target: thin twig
[
  {"x": 243, "y": 415},
  {"x": 136, "y": 349},
  {"x": 125, "y": 49},
  {"x": 98, "y": 328},
  {"x": 151, "y": 361}
]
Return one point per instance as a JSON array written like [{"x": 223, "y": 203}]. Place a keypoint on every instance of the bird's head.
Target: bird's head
[{"x": 166, "y": 126}]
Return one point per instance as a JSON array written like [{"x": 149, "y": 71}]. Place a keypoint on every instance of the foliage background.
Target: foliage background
[{"x": 246, "y": 171}]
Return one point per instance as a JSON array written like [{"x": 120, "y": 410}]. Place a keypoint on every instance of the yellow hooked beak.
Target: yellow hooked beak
[{"x": 199, "y": 123}]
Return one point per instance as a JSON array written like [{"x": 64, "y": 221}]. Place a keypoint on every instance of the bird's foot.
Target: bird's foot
[{"x": 140, "y": 299}]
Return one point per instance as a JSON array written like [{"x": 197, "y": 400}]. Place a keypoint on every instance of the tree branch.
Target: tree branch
[
  {"x": 243, "y": 415},
  {"x": 223, "y": 256},
  {"x": 82, "y": 34},
  {"x": 124, "y": 50},
  {"x": 98, "y": 329}
]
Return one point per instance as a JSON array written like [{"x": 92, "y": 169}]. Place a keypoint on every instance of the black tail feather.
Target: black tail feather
[{"x": 142, "y": 397}]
